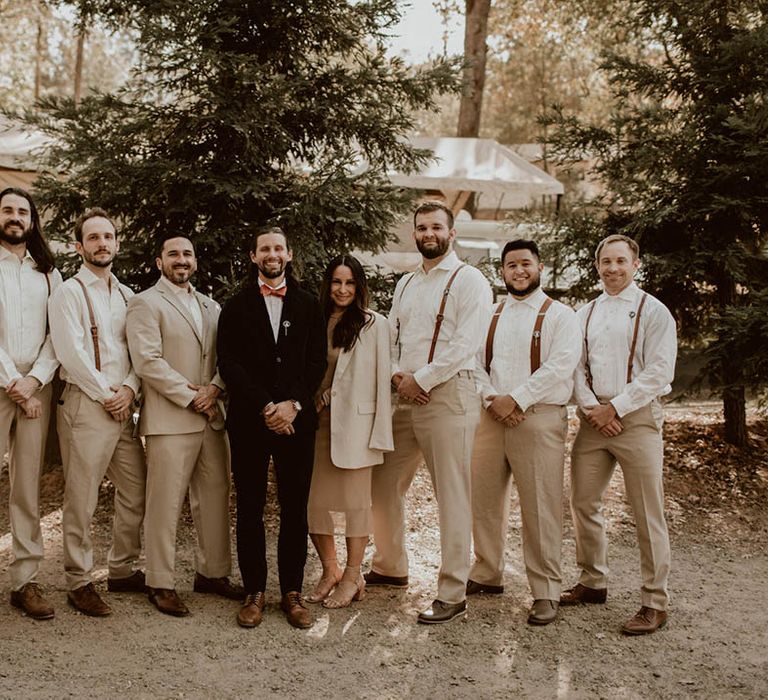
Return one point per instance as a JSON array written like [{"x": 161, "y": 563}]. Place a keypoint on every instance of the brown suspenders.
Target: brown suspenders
[
  {"x": 633, "y": 346},
  {"x": 535, "y": 337},
  {"x": 92, "y": 320},
  {"x": 440, "y": 313}
]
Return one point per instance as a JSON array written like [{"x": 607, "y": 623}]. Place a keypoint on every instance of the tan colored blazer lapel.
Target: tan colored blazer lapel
[{"x": 174, "y": 301}]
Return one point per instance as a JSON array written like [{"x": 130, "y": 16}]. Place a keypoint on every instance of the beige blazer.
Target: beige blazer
[
  {"x": 361, "y": 403},
  {"x": 168, "y": 354}
]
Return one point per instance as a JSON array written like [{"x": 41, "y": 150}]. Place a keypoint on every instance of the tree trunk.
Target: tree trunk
[
  {"x": 475, "y": 50},
  {"x": 79, "y": 66},
  {"x": 733, "y": 394},
  {"x": 39, "y": 52}
]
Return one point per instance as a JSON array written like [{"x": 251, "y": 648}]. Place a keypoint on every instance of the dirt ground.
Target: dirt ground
[{"x": 714, "y": 645}]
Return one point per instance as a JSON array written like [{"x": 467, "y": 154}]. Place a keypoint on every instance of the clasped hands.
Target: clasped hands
[
  {"x": 279, "y": 417},
  {"x": 205, "y": 400},
  {"x": 604, "y": 419},
  {"x": 21, "y": 392},
  {"x": 120, "y": 404},
  {"x": 408, "y": 389},
  {"x": 504, "y": 409}
]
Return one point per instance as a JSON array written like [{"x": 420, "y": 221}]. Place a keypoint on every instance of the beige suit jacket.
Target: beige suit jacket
[
  {"x": 168, "y": 354},
  {"x": 361, "y": 403}
]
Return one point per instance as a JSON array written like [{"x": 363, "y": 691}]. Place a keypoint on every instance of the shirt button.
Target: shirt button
[{"x": 279, "y": 360}]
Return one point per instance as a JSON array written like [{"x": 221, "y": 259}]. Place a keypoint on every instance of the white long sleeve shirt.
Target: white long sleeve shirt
[
  {"x": 415, "y": 305},
  {"x": 552, "y": 382},
  {"x": 25, "y": 348},
  {"x": 610, "y": 340},
  {"x": 72, "y": 341}
]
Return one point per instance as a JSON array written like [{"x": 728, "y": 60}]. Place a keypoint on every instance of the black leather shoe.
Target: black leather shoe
[
  {"x": 543, "y": 612},
  {"x": 373, "y": 578},
  {"x": 218, "y": 586},
  {"x": 473, "y": 588},
  {"x": 135, "y": 583},
  {"x": 440, "y": 612},
  {"x": 579, "y": 595}
]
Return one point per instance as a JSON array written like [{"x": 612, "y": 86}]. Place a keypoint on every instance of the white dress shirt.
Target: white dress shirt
[
  {"x": 188, "y": 298},
  {"x": 511, "y": 374},
  {"x": 274, "y": 306},
  {"x": 71, "y": 335},
  {"x": 415, "y": 306},
  {"x": 610, "y": 339},
  {"x": 25, "y": 349}
]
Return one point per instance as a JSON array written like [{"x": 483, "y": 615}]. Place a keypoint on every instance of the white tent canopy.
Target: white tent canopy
[{"x": 19, "y": 146}]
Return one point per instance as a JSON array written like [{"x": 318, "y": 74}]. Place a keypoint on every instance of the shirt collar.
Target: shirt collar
[
  {"x": 5, "y": 253},
  {"x": 262, "y": 283},
  {"x": 90, "y": 278},
  {"x": 174, "y": 288},
  {"x": 534, "y": 300},
  {"x": 629, "y": 293},
  {"x": 449, "y": 262}
]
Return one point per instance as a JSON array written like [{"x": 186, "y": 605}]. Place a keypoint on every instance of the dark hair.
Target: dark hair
[
  {"x": 356, "y": 316},
  {"x": 520, "y": 244},
  {"x": 36, "y": 245},
  {"x": 91, "y": 214},
  {"x": 430, "y": 206},
  {"x": 161, "y": 241},
  {"x": 253, "y": 271}
]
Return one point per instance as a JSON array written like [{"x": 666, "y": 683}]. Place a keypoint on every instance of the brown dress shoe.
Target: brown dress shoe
[
  {"x": 295, "y": 611},
  {"x": 473, "y": 588},
  {"x": 253, "y": 608},
  {"x": 440, "y": 612},
  {"x": 167, "y": 601},
  {"x": 543, "y": 612},
  {"x": 218, "y": 586},
  {"x": 373, "y": 578},
  {"x": 87, "y": 601},
  {"x": 31, "y": 601},
  {"x": 579, "y": 595},
  {"x": 645, "y": 621},
  {"x": 135, "y": 583}
]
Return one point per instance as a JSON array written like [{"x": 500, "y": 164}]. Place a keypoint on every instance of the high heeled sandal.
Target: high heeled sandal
[
  {"x": 347, "y": 591},
  {"x": 326, "y": 584}
]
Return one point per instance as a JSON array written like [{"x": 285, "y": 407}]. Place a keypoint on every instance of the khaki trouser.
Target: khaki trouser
[
  {"x": 441, "y": 434},
  {"x": 198, "y": 463},
  {"x": 94, "y": 445},
  {"x": 26, "y": 449},
  {"x": 639, "y": 451},
  {"x": 533, "y": 452}
]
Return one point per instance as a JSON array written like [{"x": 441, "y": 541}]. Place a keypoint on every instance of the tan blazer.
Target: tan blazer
[
  {"x": 361, "y": 403},
  {"x": 167, "y": 354}
]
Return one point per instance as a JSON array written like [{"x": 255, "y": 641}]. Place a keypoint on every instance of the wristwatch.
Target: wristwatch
[{"x": 296, "y": 405}]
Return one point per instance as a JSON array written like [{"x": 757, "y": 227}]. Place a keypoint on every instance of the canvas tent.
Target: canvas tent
[{"x": 18, "y": 151}]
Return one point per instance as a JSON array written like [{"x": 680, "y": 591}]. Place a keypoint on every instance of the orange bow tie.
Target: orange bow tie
[{"x": 267, "y": 291}]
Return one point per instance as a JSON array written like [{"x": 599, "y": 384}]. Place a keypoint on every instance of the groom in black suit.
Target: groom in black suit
[{"x": 272, "y": 356}]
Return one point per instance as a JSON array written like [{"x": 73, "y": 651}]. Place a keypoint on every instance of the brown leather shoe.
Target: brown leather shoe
[
  {"x": 135, "y": 583},
  {"x": 473, "y": 588},
  {"x": 218, "y": 586},
  {"x": 440, "y": 612},
  {"x": 253, "y": 608},
  {"x": 167, "y": 601},
  {"x": 31, "y": 601},
  {"x": 579, "y": 595},
  {"x": 87, "y": 601},
  {"x": 295, "y": 611},
  {"x": 645, "y": 621},
  {"x": 543, "y": 612},
  {"x": 373, "y": 578}
]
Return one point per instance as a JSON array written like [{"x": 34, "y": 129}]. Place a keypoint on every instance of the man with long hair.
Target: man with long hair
[
  {"x": 27, "y": 366},
  {"x": 272, "y": 355}
]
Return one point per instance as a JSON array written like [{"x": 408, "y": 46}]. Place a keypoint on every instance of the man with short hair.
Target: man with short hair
[
  {"x": 525, "y": 375},
  {"x": 627, "y": 364},
  {"x": 436, "y": 323},
  {"x": 27, "y": 366},
  {"x": 272, "y": 354},
  {"x": 172, "y": 338},
  {"x": 95, "y": 416}
]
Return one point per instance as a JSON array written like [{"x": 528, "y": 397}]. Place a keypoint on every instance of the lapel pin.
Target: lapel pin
[
  {"x": 632, "y": 314},
  {"x": 286, "y": 326}
]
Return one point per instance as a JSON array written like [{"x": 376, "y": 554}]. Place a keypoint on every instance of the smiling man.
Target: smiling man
[
  {"x": 525, "y": 374},
  {"x": 95, "y": 416},
  {"x": 627, "y": 364},
  {"x": 172, "y": 337}
]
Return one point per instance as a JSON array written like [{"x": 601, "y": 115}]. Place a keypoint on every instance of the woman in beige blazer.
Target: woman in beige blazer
[{"x": 355, "y": 430}]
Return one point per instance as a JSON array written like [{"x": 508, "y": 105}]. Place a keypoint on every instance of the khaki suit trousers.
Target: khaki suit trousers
[
  {"x": 440, "y": 434},
  {"x": 25, "y": 444},
  {"x": 533, "y": 453},
  {"x": 639, "y": 451},
  {"x": 197, "y": 463},
  {"x": 94, "y": 445}
]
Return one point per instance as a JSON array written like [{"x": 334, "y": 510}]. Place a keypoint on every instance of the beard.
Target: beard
[
  {"x": 178, "y": 274},
  {"x": 532, "y": 287},
  {"x": 15, "y": 238},
  {"x": 274, "y": 273},
  {"x": 96, "y": 262},
  {"x": 439, "y": 248}
]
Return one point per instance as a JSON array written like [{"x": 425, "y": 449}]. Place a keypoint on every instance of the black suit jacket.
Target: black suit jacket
[{"x": 257, "y": 370}]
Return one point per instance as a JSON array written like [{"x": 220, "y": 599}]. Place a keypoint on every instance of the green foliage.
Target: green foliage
[
  {"x": 684, "y": 158},
  {"x": 241, "y": 114}
]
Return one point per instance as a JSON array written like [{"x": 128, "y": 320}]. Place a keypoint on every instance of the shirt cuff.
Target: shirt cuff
[
  {"x": 424, "y": 378},
  {"x": 622, "y": 404},
  {"x": 523, "y": 398},
  {"x": 37, "y": 376}
]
